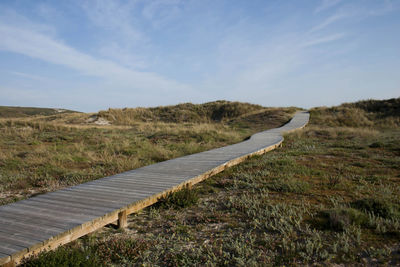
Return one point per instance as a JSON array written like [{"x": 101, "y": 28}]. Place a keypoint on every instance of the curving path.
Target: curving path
[{"x": 49, "y": 220}]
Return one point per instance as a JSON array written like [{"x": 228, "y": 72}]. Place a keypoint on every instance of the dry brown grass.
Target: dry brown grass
[
  {"x": 187, "y": 112},
  {"x": 369, "y": 113},
  {"x": 330, "y": 196},
  {"x": 44, "y": 153}
]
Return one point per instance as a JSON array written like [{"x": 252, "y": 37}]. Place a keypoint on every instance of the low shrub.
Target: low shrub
[
  {"x": 120, "y": 249},
  {"x": 63, "y": 256},
  {"x": 179, "y": 199},
  {"x": 289, "y": 186},
  {"x": 377, "y": 144},
  {"x": 378, "y": 207},
  {"x": 340, "y": 218},
  {"x": 334, "y": 180}
]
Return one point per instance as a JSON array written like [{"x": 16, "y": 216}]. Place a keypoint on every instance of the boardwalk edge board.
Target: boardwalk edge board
[{"x": 258, "y": 144}]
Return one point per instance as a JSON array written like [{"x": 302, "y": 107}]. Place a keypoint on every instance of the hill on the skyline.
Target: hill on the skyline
[{"x": 20, "y": 112}]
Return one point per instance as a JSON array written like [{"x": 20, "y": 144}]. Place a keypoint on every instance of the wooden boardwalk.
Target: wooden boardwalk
[{"x": 49, "y": 220}]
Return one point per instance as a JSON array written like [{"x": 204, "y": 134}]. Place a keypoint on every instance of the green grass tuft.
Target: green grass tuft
[
  {"x": 183, "y": 198},
  {"x": 378, "y": 207}
]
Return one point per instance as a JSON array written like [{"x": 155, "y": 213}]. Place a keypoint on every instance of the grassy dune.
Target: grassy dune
[
  {"x": 20, "y": 112},
  {"x": 330, "y": 195},
  {"x": 188, "y": 112},
  {"x": 367, "y": 114},
  {"x": 43, "y": 153}
]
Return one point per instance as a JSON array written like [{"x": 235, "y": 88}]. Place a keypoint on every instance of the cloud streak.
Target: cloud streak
[
  {"x": 327, "y": 4},
  {"x": 40, "y": 46},
  {"x": 327, "y": 22},
  {"x": 323, "y": 40},
  {"x": 115, "y": 17},
  {"x": 28, "y": 76}
]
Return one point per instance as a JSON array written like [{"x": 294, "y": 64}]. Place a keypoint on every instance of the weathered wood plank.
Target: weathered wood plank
[
  {"x": 25, "y": 233},
  {"x": 50, "y": 214},
  {"x": 10, "y": 249},
  {"x": 127, "y": 190},
  {"x": 73, "y": 200},
  {"x": 103, "y": 199},
  {"x": 65, "y": 209},
  {"x": 40, "y": 220},
  {"x": 23, "y": 225},
  {"x": 122, "y": 190},
  {"x": 22, "y": 242},
  {"x": 157, "y": 179},
  {"x": 136, "y": 184},
  {"x": 42, "y": 209},
  {"x": 85, "y": 209}
]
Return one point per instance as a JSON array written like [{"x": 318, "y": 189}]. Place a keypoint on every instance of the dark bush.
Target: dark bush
[
  {"x": 63, "y": 256},
  {"x": 380, "y": 208},
  {"x": 289, "y": 186},
  {"x": 376, "y": 145},
  {"x": 179, "y": 199},
  {"x": 338, "y": 219},
  {"x": 120, "y": 250}
]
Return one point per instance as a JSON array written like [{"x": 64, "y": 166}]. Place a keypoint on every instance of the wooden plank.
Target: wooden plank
[
  {"x": 158, "y": 180},
  {"x": 45, "y": 210},
  {"x": 160, "y": 172},
  {"x": 87, "y": 208},
  {"x": 74, "y": 200},
  {"x": 53, "y": 214},
  {"x": 10, "y": 249},
  {"x": 22, "y": 242},
  {"x": 120, "y": 190},
  {"x": 99, "y": 197},
  {"x": 25, "y": 233},
  {"x": 67, "y": 210},
  {"x": 181, "y": 168},
  {"x": 40, "y": 220},
  {"x": 79, "y": 202},
  {"x": 187, "y": 165},
  {"x": 110, "y": 192},
  {"x": 132, "y": 183},
  {"x": 29, "y": 226},
  {"x": 124, "y": 189},
  {"x": 145, "y": 174},
  {"x": 61, "y": 199},
  {"x": 135, "y": 183}
]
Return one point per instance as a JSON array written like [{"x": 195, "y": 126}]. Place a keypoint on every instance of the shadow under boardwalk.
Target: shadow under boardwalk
[{"x": 49, "y": 220}]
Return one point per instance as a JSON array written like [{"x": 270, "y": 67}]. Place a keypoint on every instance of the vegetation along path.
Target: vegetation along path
[{"x": 49, "y": 220}]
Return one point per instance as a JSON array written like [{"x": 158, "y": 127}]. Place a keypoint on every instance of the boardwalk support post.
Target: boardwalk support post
[{"x": 122, "y": 220}]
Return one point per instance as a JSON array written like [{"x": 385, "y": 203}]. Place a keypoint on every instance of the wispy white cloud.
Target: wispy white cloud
[
  {"x": 386, "y": 6},
  {"x": 11, "y": 18},
  {"x": 330, "y": 20},
  {"x": 322, "y": 40},
  {"x": 158, "y": 12},
  {"x": 40, "y": 46},
  {"x": 116, "y": 17},
  {"x": 327, "y": 4},
  {"x": 28, "y": 76},
  {"x": 120, "y": 38},
  {"x": 123, "y": 55}
]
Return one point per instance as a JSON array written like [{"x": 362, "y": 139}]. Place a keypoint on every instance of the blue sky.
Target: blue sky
[{"x": 92, "y": 55}]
